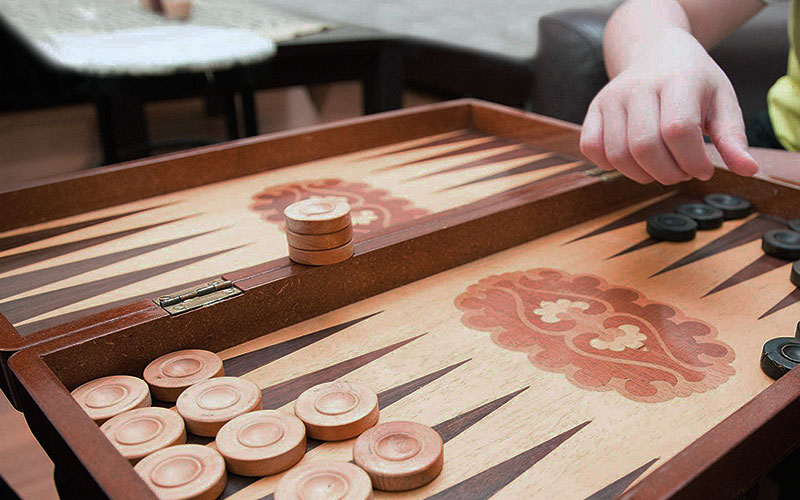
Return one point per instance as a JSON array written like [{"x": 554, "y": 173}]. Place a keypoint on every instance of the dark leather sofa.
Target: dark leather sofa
[{"x": 569, "y": 69}]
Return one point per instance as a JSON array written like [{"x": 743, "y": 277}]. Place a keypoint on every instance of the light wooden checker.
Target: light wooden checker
[
  {"x": 142, "y": 431},
  {"x": 416, "y": 333},
  {"x": 208, "y": 405},
  {"x": 107, "y": 397},
  {"x": 185, "y": 472},
  {"x": 171, "y": 374}
]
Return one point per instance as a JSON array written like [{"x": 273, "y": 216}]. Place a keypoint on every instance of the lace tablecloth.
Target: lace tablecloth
[{"x": 120, "y": 37}]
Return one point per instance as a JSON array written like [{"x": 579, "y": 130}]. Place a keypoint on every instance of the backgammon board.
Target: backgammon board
[
  {"x": 215, "y": 219},
  {"x": 557, "y": 349}
]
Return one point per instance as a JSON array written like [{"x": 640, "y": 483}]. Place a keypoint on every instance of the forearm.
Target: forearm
[{"x": 639, "y": 28}]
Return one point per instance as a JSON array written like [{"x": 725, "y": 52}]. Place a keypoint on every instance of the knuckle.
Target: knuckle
[
  {"x": 680, "y": 129},
  {"x": 644, "y": 146},
  {"x": 619, "y": 156}
]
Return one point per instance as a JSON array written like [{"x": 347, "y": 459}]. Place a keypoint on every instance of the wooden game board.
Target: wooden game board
[
  {"x": 162, "y": 225},
  {"x": 558, "y": 350}
]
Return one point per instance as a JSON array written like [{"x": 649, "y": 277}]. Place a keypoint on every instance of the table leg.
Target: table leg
[
  {"x": 249, "y": 112},
  {"x": 383, "y": 86},
  {"x": 122, "y": 125}
]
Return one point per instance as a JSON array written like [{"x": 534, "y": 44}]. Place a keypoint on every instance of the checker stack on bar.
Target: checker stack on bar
[{"x": 319, "y": 231}]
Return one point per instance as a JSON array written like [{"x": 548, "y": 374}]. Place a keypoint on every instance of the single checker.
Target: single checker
[
  {"x": 733, "y": 207},
  {"x": 779, "y": 356},
  {"x": 794, "y": 225},
  {"x": 140, "y": 432},
  {"x": 317, "y": 215},
  {"x": 706, "y": 216},
  {"x": 671, "y": 227},
  {"x": 107, "y": 397},
  {"x": 322, "y": 257},
  {"x": 325, "y": 480},
  {"x": 184, "y": 472},
  {"x": 400, "y": 456},
  {"x": 171, "y": 374},
  {"x": 795, "y": 275},
  {"x": 208, "y": 405},
  {"x": 337, "y": 410},
  {"x": 782, "y": 243},
  {"x": 320, "y": 241},
  {"x": 262, "y": 443}
]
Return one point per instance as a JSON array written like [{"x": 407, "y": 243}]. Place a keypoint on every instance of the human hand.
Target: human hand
[{"x": 649, "y": 121}]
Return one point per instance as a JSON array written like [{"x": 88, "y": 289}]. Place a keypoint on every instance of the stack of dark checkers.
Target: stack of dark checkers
[
  {"x": 691, "y": 217},
  {"x": 781, "y": 354},
  {"x": 319, "y": 231},
  {"x": 249, "y": 441}
]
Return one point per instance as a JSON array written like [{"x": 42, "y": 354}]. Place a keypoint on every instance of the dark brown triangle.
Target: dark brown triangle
[
  {"x": 641, "y": 215},
  {"x": 790, "y": 300},
  {"x": 385, "y": 399},
  {"x": 451, "y": 428},
  {"x": 29, "y": 257},
  {"x": 616, "y": 488},
  {"x": 751, "y": 230},
  {"x": 17, "y": 310},
  {"x": 533, "y": 166},
  {"x": 550, "y": 179},
  {"x": 8, "y": 242},
  {"x": 761, "y": 265},
  {"x": 282, "y": 393},
  {"x": 31, "y": 280},
  {"x": 391, "y": 396},
  {"x": 461, "y": 136},
  {"x": 638, "y": 246},
  {"x": 247, "y": 362},
  {"x": 523, "y": 151},
  {"x": 35, "y": 326},
  {"x": 485, "y": 484},
  {"x": 493, "y": 143}
]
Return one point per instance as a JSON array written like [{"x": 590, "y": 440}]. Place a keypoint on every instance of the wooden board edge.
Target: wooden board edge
[
  {"x": 731, "y": 456},
  {"x": 59, "y": 424},
  {"x": 75, "y": 193}
]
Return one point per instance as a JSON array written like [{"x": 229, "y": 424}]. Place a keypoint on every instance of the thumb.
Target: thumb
[{"x": 725, "y": 126}]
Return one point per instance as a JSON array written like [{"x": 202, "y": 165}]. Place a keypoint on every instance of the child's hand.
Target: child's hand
[{"x": 649, "y": 121}]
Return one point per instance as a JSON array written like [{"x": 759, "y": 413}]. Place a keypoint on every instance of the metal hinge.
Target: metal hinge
[
  {"x": 194, "y": 298},
  {"x": 602, "y": 174}
]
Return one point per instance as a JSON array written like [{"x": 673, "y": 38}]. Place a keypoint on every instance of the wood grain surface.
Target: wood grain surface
[
  {"x": 558, "y": 355},
  {"x": 64, "y": 269}
]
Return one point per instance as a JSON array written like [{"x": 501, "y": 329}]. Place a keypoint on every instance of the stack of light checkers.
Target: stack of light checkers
[
  {"x": 393, "y": 456},
  {"x": 319, "y": 231}
]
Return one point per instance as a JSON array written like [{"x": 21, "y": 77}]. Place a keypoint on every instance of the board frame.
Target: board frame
[{"x": 720, "y": 463}]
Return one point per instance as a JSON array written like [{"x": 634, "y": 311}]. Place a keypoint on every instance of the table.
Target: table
[
  {"x": 309, "y": 51},
  {"x": 464, "y": 319}
]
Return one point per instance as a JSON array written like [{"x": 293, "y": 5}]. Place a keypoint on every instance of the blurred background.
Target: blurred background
[{"x": 87, "y": 83}]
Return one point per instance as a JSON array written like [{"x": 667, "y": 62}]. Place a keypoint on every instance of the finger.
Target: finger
[
  {"x": 645, "y": 141},
  {"x": 681, "y": 120},
  {"x": 615, "y": 139},
  {"x": 592, "y": 139},
  {"x": 725, "y": 126}
]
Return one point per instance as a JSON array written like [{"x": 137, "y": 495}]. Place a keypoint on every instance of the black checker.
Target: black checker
[
  {"x": 671, "y": 227},
  {"x": 706, "y": 216},
  {"x": 782, "y": 243},
  {"x": 733, "y": 207},
  {"x": 780, "y": 355}
]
